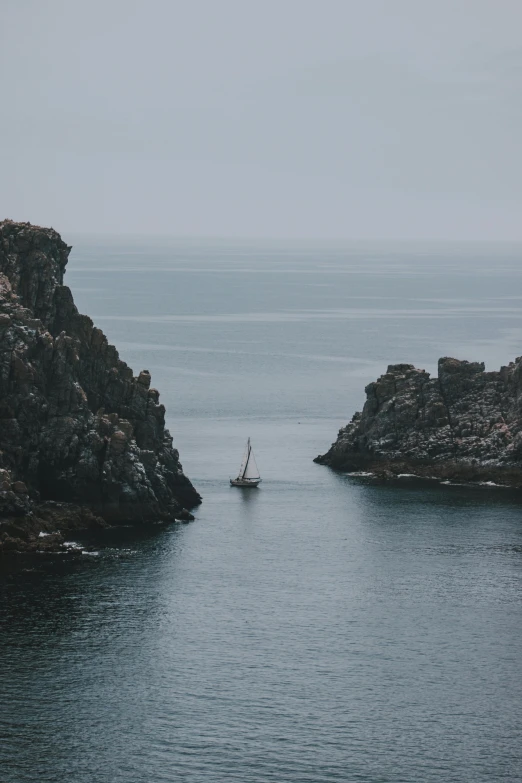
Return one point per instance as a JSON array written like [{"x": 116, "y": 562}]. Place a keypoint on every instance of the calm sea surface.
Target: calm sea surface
[{"x": 319, "y": 628}]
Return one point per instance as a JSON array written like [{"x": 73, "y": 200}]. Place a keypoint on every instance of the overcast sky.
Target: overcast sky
[{"x": 271, "y": 118}]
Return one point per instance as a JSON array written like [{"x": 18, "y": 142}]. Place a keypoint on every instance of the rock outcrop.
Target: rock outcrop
[
  {"x": 465, "y": 424},
  {"x": 82, "y": 441}
]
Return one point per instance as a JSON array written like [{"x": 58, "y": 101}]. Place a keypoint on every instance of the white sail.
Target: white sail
[
  {"x": 244, "y": 460},
  {"x": 251, "y": 469}
]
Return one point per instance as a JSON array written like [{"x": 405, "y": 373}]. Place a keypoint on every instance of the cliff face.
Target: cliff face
[
  {"x": 82, "y": 441},
  {"x": 466, "y": 423}
]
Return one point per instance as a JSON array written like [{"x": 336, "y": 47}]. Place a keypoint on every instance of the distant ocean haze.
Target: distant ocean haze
[{"x": 283, "y": 318}]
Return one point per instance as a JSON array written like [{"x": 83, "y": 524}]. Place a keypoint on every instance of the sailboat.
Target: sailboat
[{"x": 248, "y": 475}]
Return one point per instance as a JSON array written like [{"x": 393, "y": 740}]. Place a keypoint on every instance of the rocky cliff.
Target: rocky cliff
[
  {"x": 82, "y": 440},
  {"x": 465, "y": 423}
]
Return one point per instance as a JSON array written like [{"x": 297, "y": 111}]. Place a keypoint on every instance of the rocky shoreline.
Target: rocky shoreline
[
  {"x": 464, "y": 425},
  {"x": 83, "y": 442}
]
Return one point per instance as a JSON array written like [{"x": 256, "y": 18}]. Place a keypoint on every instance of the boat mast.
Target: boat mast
[{"x": 249, "y": 449}]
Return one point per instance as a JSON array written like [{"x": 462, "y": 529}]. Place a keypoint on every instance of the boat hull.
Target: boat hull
[{"x": 244, "y": 482}]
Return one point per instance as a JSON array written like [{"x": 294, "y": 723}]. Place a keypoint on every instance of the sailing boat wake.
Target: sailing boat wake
[{"x": 248, "y": 475}]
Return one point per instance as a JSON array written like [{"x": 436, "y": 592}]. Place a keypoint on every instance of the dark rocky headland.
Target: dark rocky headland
[
  {"x": 82, "y": 441},
  {"x": 465, "y": 424}
]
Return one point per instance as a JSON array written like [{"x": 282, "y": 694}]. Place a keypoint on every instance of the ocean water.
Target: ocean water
[{"x": 320, "y": 628}]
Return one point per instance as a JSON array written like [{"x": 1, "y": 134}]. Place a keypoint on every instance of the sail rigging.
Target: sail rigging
[{"x": 248, "y": 475}]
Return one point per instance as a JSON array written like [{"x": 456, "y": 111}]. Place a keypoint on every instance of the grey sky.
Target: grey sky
[{"x": 325, "y": 118}]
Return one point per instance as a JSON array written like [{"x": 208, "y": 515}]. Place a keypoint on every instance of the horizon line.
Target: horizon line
[{"x": 287, "y": 238}]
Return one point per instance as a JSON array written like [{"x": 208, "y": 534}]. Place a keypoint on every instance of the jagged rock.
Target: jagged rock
[
  {"x": 19, "y": 487},
  {"x": 144, "y": 378},
  {"x": 75, "y": 425},
  {"x": 466, "y": 423}
]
